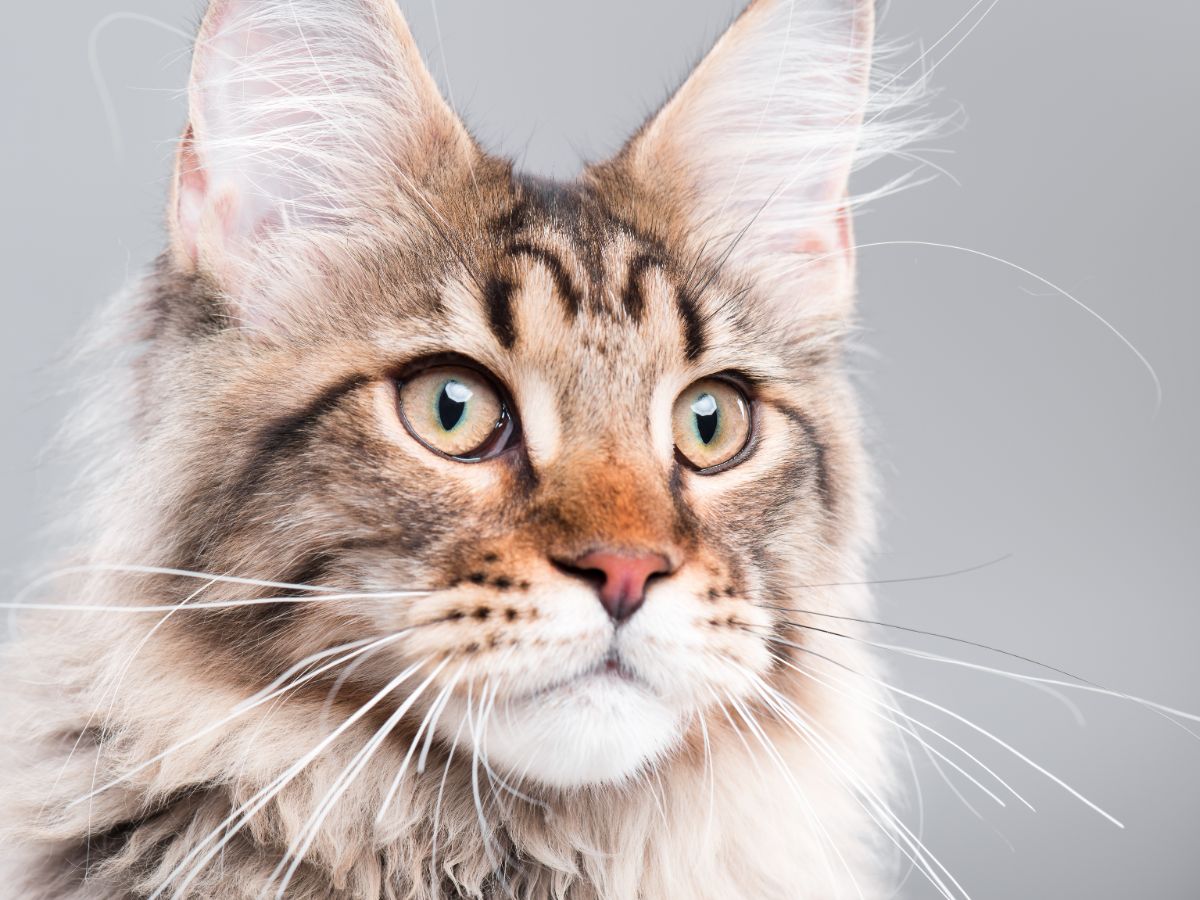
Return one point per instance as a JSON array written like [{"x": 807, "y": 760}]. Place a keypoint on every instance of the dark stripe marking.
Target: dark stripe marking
[
  {"x": 571, "y": 298},
  {"x": 512, "y": 221},
  {"x": 820, "y": 452},
  {"x": 633, "y": 298},
  {"x": 498, "y": 300},
  {"x": 225, "y": 501},
  {"x": 286, "y": 433},
  {"x": 693, "y": 327}
]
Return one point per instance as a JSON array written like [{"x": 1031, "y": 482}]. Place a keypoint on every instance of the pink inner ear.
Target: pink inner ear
[
  {"x": 812, "y": 245},
  {"x": 200, "y": 211},
  {"x": 191, "y": 189}
]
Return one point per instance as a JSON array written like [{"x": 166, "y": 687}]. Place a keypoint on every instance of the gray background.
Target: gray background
[{"x": 1005, "y": 420}]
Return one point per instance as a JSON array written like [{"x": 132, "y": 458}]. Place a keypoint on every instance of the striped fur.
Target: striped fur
[{"x": 332, "y": 222}]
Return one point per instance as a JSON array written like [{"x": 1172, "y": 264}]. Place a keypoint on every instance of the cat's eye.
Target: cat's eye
[
  {"x": 712, "y": 424},
  {"x": 456, "y": 411}
]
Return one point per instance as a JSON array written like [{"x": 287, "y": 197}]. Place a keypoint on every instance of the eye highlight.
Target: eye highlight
[
  {"x": 711, "y": 422},
  {"x": 455, "y": 411}
]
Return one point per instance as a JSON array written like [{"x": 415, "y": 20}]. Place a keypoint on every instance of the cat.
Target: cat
[{"x": 458, "y": 533}]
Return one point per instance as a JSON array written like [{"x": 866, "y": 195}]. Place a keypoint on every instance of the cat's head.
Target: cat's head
[{"x": 598, "y": 430}]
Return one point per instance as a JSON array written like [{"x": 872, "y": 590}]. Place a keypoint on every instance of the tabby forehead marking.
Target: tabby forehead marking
[
  {"x": 377, "y": 234},
  {"x": 497, "y": 299},
  {"x": 599, "y": 289},
  {"x": 565, "y": 287}
]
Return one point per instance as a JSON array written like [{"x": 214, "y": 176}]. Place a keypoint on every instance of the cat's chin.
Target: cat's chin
[{"x": 597, "y": 729}]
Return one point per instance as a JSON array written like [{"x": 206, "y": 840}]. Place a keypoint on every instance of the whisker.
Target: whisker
[
  {"x": 895, "y": 829},
  {"x": 437, "y": 809},
  {"x": 1061, "y": 291},
  {"x": 428, "y": 721},
  {"x": 493, "y": 776},
  {"x": 485, "y": 830},
  {"x": 1079, "y": 684},
  {"x": 343, "y": 782},
  {"x": 303, "y": 664},
  {"x": 238, "y": 711},
  {"x": 970, "y": 724},
  {"x": 231, "y": 824},
  {"x": 216, "y": 604},
  {"x": 805, "y": 805},
  {"x": 895, "y": 710},
  {"x": 114, "y": 693},
  {"x": 93, "y": 568},
  {"x": 659, "y": 797},
  {"x": 710, "y": 771},
  {"x": 92, "y": 716},
  {"x": 905, "y": 579},
  {"x": 920, "y": 795}
]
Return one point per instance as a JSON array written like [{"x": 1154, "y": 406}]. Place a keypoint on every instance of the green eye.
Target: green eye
[
  {"x": 711, "y": 423},
  {"x": 454, "y": 411}
]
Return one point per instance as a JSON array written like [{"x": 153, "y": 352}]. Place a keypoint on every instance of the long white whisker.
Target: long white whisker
[
  {"x": 106, "y": 100},
  {"x": 1034, "y": 680},
  {"x": 895, "y": 710},
  {"x": 974, "y": 727},
  {"x": 343, "y": 783},
  {"x": 115, "y": 688},
  {"x": 710, "y": 771},
  {"x": 93, "y": 568},
  {"x": 495, "y": 778},
  {"x": 437, "y": 809},
  {"x": 231, "y": 824},
  {"x": 475, "y": 723},
  {"x": 894, "y": 828},
  {"x": 428, "y": 722},
  {"x": 920, "y": 795},
  {"x": 114, "y": 692},
  {"x": 794, "y": 787},
  {"x": 238, "y": 711},
  {"x": 1063, "y": 292},
  {"x": 1079, "y": 683},
  {"x": 214, "y": 604},
  {"x": 302, "y": 665}
]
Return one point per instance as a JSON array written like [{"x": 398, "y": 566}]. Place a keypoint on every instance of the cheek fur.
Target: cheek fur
[{"x": 415, "y": 689}]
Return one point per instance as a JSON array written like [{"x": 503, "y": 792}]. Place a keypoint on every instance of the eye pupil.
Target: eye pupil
[
  {"x": 456, "y": 411},
  {"x": 708, "y": 417},
  {"x": 711, "y": 424},
  {"x": 452, "y": 404}
]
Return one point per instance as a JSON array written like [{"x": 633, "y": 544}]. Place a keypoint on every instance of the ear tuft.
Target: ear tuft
[
  {"x": 754, "y": 152},
  {"x": 302, "y": 115}
]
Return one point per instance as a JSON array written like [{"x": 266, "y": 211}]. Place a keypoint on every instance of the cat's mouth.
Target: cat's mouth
[{"x": 610, "y": 668}]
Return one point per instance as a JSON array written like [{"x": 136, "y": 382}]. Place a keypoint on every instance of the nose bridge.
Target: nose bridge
[{"x": 607, "y": 502}]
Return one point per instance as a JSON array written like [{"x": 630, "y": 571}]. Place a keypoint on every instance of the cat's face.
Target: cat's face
[
  {"x": 604, "y": 487},
  {"x": 599, "y": 458}
]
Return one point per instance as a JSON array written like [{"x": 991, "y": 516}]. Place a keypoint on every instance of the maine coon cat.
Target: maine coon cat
[{"x": 455, "y": 533}]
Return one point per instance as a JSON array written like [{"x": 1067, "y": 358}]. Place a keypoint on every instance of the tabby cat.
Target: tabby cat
[{"x": 457, "y": 533}]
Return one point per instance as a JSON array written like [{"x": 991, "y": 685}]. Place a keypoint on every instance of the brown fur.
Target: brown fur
[{"x": 259, "y": 439}]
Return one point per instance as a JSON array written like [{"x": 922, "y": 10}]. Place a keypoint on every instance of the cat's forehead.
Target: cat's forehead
[
  {"x": 573, "y": 280},
  {"x": 555, "y": 285}
]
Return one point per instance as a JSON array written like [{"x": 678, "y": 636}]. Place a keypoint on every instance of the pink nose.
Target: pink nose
[{"x": 623, "y": 590}]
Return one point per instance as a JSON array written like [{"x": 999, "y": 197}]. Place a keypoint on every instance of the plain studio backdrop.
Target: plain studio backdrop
[{"x": 1006, "y": 420}]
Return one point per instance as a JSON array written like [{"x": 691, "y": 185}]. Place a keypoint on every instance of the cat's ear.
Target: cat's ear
[
  {"x": 754, "y": 152},
  {"x": 303, "y": 115}
]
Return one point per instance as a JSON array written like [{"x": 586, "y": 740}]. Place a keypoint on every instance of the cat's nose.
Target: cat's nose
[{"x": 620, "y": 578}]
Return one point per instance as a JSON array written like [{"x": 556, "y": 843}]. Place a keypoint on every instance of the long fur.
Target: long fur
[{"x": 331, "y": 218}]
